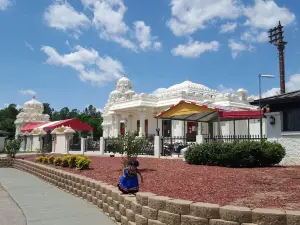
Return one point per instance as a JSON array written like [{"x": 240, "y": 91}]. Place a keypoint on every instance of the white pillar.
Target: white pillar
[
  {"x": 115, "y": 125},
  {"x": 142, "y": 123},
  {"x": 157, "y": 146},
  {"x": 200, "y": 139},
  {"x": 29, "y": 144},
  {"x": 53, "y": 139},
  {"x": 82, "y": 145},
  {"x": 129, "y": 124},
  {"x": 102, "y": 145}
]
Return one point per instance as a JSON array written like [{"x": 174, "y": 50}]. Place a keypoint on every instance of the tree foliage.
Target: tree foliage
[{"x": 89, "y": 115}]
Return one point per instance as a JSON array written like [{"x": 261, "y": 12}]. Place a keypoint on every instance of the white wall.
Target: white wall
[
  {"x": 29, "y": 144},
  {"x": 36, "y": 145},
  {"x": 60, "y": 145},
  {"x": 241, "y": 127},
  {"x": 2, "y": 139},
  {"x": 289, "y": 140}
]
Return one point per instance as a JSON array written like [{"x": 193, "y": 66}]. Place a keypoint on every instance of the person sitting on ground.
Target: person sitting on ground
[{"x": 129, "y": 182}]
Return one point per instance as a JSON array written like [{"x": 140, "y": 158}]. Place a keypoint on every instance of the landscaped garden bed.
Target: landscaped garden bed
[{"x": 274, "y": 187}]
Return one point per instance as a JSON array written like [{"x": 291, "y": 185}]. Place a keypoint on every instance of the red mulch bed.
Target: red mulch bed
[{"x": 276, "y": 187}]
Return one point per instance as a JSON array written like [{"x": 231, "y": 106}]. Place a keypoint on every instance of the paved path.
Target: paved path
[
  {"x": 10, "y": 212},
  {"x": 44, "y": 204}
]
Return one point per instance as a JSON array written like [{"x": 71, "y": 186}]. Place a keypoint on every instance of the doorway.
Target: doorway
[{"x": 122, "y": 128}]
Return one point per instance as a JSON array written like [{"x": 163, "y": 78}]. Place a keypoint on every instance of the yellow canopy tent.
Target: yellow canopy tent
[{"x": 189, "y": 111}]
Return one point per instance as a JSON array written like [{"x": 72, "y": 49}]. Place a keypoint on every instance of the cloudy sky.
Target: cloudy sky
[{"x": 70, "y": 53}]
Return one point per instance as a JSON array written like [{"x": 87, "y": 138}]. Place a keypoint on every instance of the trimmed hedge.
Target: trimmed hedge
[
  {"x": 236, "y": 154},
  {"x": 71, "y": 161}
]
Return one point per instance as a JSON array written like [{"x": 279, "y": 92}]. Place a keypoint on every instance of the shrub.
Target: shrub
[
  {"x": 82, "y": 163},
  {"x": 57, "y": 161},
  {"x": 39, "y": 159},
  {"x": 128, "y": 145},
  {"x": 65, "y": 161},
  {"x": 72, "y": 161},
  {"x": 51, "y": 159},
  {"x": 236, "y": 154},
  {"x": 12, "y": 147},
  {"x": 44, "y": 159}
]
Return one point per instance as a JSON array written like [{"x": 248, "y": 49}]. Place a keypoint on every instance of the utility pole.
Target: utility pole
[{"x": 276, "y": 38}]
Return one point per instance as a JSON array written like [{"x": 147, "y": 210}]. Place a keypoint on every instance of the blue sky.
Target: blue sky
[{"x": 70, "y": 53}]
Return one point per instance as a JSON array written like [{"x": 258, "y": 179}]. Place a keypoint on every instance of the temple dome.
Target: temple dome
[
  {"x": 33, "y": 106},
  {"x": 187, "y": 85},
  {"x": 124, "y": 83}
]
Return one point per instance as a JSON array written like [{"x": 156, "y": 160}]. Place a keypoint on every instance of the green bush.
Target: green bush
[
  {"x": 72, "y": 161},
  {"x": 44, "y": 159},
  {"x": 12, "y": 147},
  {"x": 39, "y": 159},
  {"x": 57, "y": 161},
  {"x": 82, "y": 163},
  {"x": 236, "y": 154},
  {"x": 51, "y": 159},
  {"x": 65, "y": 161}
]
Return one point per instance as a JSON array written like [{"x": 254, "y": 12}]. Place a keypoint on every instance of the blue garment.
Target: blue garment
[{"x": 129, "y": 181}]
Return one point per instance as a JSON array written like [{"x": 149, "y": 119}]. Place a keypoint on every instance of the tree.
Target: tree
[
  {"x": 92, "y": 117},
  {"x": 48, "y": 110},
  {"x": 7, "y": 117}
]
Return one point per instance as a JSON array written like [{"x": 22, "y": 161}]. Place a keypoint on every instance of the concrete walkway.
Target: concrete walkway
[
  {"x": 44, "y": 204},
  {"x": 10, "y": 212}
]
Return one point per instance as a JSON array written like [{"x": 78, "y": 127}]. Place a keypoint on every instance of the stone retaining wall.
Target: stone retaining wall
[
  {"x": 151, "y": 209},
  {"x": 6, "y": 162}
]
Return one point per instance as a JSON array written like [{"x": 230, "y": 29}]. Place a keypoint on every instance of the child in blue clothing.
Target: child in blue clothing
[{"x": 129, "y": 182}]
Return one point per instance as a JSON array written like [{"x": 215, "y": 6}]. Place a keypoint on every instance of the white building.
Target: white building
[
  {"x": 128, "y": 111},
  {"x": 32, "y": 113}
]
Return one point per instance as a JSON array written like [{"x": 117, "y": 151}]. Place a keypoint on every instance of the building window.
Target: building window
[
  {"x": 291, "y": 119},
  {"x": 167, "y": 128}
]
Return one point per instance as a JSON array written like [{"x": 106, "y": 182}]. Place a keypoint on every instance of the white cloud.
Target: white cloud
[
  {"x": 4, "y": 4},
  {"x": 143, "y": 35},
  {"x": 225, "y": 90},
  {"x": 293, "y": 84},
  {"x": 253, "y": 35},
  {"x": 62, "y": 16},
  {"x": 27, "y": 92},
  {"x": 228, "y": 27},
  {"x": 190, "y": 15},
  {"x": 194, "y": 49},
  {"x": 29, "y": 46},
  {"x": 109, "y": 21},
  {"x": 265, "y": 14},
  {"x": 99, "y": 110},
  {"x": 237, "y": 47},
  {"x": 88, "y": 63}
]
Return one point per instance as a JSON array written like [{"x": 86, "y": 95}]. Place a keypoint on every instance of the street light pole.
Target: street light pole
[{"x": 259, "y": 100}]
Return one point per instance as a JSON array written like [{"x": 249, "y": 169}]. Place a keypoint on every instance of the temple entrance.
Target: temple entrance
[
  {"x": 122, "y": 129},
  {"x": 167, "y": 128},
  {"x": 191, "y": 131}
]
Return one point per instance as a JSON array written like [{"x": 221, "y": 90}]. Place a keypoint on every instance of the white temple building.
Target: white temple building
[
  {"x": 32, "y": 113},
  {"x": 128, "y": 111}
]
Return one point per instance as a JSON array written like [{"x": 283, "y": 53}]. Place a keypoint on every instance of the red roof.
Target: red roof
[
  {"x": 74, "y": 123},
  {"x": 250, "y": 114},
  {"x": 30, "y": 126}
]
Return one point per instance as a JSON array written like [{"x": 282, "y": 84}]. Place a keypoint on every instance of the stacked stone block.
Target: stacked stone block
[{"x": 150, "y": 209}]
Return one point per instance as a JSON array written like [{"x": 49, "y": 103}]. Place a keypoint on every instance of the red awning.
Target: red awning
[
  {"x": 29, "y": 127},
  {"x": 74, "y": 123},
  {"x": 251, "y": 114}
]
